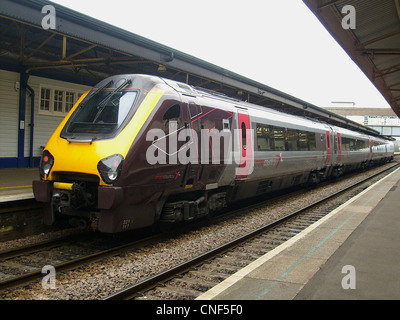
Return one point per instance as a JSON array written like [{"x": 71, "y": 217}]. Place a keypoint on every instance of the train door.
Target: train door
[
  {"x": 192, "y": 169},
  {"x": 370, "y": 144},
  {"x": 246, "y": 163},
  {"x": 328, "y": 147},
  {"x": 339, "y": 142},
  {"x": 335, "y": 146}
]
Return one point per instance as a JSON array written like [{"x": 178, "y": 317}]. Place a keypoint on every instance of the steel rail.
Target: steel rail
[
  {"x": 75, "y": 263},
  {"x": 19, "y": 205},
  {"x": 47, "y": 244}
]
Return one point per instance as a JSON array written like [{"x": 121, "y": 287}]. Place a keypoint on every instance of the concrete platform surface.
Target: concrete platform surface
[
  {"x": 16, "y": 184},
  {"x": 352, "y": 253}
]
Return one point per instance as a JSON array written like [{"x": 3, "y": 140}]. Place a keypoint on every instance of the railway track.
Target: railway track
[
  {"x": 24, "y": 270},
  {"x": 20, "y": 206},
  {"x": 190, "y": 279},
  {"x": 71, "y": 252},
  {"x": 178, "y": 287}
]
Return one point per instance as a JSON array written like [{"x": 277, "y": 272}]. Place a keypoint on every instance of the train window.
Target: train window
[
  {"x": 244, "y": 141},
  {"x": 270, "y": 138},
  {"x": 101, "y": 113},
  {"x": 312, "y": 141},
  {"x": 225, "y": 124},
  {"x": 172, "y": 115},
  {"x": 347, "y": 144},
  {"x": 264, "y": 137},
  {"x": 360, "y": 144},
  {"x": 352, "y": 142},
  {"x": 291, "y": 139},
  {"x": 263, "y": 144},
  {"x": 303, "y": 141},
  {"x": 279, "y": 138},
  {"x": 125, "y": 104}
]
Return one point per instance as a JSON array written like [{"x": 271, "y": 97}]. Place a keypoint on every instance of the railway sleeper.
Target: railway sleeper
[
  {"x": 190, "y": 283},
  {"x": 173, "y": 292},
  {"x": 208, "y": 275},
  {"x": 224, "y": 268}
]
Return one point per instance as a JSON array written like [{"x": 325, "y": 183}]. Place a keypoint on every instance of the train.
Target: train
[{"x": 140, "y": 150}]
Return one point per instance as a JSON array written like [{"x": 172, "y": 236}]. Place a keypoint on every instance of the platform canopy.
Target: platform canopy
[
  {"x": 373, "y": 42},
  {"x": 84, "y": 50}
]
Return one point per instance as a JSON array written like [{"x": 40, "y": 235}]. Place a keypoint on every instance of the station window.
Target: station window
[
  {"x": 45, "y": 99},
  {"x": 57, "y": 101},
  {"x": 69, "y": 100}
]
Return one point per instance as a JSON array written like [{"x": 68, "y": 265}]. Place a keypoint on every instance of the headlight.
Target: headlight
[
  {"x": 110, "y": 168},
  {"x": 46, "y": 163}
]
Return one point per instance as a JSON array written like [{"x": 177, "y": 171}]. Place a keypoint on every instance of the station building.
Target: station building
[
  {"x": 383, "y": 120},
  {"x": 43, "y": 71},
  {"x": 47, "y": 103}
]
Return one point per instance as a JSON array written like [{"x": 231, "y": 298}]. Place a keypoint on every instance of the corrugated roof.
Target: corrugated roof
[{"x": 374, "y": 44}]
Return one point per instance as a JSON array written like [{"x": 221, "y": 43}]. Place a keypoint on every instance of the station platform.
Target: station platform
[
  {"x": 353, "y": 253},
  {"x": 16, "y": 184}
]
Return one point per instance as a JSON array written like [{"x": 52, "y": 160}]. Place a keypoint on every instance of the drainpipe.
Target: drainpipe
[
  {"x": 32, "y": 92},
  {"x": 21, "y": 119}
]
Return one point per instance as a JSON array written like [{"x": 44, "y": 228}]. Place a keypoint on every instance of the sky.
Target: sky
[{"x": 278, "y": 43}]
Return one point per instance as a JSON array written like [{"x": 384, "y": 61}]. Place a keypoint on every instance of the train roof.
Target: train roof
[{"x": 281, "y": 116}]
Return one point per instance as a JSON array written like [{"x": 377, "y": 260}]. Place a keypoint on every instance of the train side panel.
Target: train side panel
[{"x": 286, "y": 151}]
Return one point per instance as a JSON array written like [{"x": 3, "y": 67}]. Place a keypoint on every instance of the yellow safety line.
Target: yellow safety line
[{"x": 17, "y": 187}]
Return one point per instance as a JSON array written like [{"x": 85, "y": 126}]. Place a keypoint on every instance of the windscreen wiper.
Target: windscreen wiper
[
  {"x": 103, "y": 103},
  {"x": 94, "y": 92}
]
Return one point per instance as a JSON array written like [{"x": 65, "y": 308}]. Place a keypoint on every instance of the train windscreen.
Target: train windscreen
[{"x": 103, "y": 112}]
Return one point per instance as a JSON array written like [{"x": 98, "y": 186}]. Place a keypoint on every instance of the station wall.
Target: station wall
[
  {"x": 52, "y": 101},
  {"x": 9, "y": 99}
]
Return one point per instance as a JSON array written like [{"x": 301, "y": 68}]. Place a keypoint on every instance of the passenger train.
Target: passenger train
[{"x": 139, "y": 150}]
